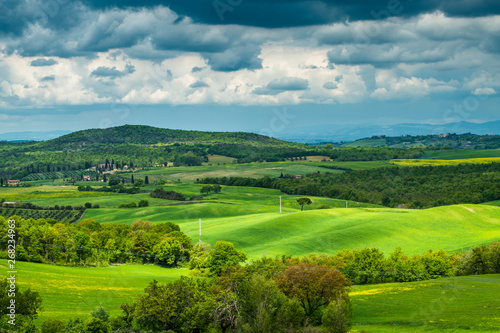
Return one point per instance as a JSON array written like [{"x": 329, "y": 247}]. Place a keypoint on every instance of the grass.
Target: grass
[
  {"x": 329, "y": 231},
  {"x": 254, "y": 170},
  {"x": 70, "y": 292},
  {"x": 432, "y": 162},
  {"x": 460, "y": 154},
  {"x": 458, "y": 304},
  {"x": 49, "y": 194},
  {"x": 233, "y": 201}
]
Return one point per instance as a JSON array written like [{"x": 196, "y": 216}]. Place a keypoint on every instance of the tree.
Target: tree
[
  {"x": 264, "y": 308},
  {"x": 132, "y": 179},
  {"x": 304, "y": 201},
  {"x": 27, "y": 307},
  {"x": 183, "y": 305},
  {"x": 143, "y": 203},
  {"x": 207, "y": 189},
  {"x": 96, "y": 325},
  {"x": 217, "y": 189},
  {"x": 100, "y": 313},
  {"x": 146, "y": 180},
  {"x": 224, "y": 255},
  {"x": 138, "y": 183},
  {"x": 53, "y": 326},
  {"x": 104, "y": 179},
  {"x": 314, "y": 286},
  {"x": 113, "y": 180},
  {"x": 337, "y": 316}
]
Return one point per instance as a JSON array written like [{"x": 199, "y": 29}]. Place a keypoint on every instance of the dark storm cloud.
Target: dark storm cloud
[
  {"x": 112, "y": 72},
  {"x": 48, "y": 78},
  {"x": 43, "y": 62},
  {"x": 285, "y": 13},
  {"x": 278, "y": 86},
  {"x": 199, "y": 84}
]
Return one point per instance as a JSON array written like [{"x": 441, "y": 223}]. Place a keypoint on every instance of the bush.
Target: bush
[
  {"x": 88, "y": 205},
  {"x": 337, "y": 316},
  {"x": 168, "y": 195},
  {"x": 129, "y": 205},
  {"x": 143, "y": 203},
  {"x": 53, "y": 326}
]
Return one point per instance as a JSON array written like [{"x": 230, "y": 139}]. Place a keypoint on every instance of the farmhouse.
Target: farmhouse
[
  {"x": 13, "y": 183},
  {"x": 298, "y": 176},
  {"x": 9, "y": 204},
  {"x": 87, "y": 178}
]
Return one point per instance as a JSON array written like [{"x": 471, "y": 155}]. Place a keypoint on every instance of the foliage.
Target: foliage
[
  {"x": 337, "y": 317},
  {"x": 410, "y": 187},
  {"x": 53, "y": 326},
  {"x": 304, "y": 201},
  {"x": 27, "y": 306},
  {"x": 167, "y": 195},
  {"x": 314, "y": 286},
  {"x": 223, "y": 255},
  {"x": 181, "y": 305},
  {"x": 90, "y": 242}
]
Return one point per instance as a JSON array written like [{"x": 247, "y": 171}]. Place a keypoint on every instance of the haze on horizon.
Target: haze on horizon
[{"x": 246, "y": 65}]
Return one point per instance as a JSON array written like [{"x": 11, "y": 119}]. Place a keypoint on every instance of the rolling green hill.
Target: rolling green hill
[
  {"x": 260, "y": 229},
  {"x": 458, "y": 304},
  {"x": 457, "y": 141},
  {"x": 147, "y": 135},
  {"x": 69, "y": 292}
]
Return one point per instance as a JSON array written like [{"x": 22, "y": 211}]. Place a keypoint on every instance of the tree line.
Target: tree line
[
  {"x": 93, "y": 243},
  {"x": 406, "y": 187}
]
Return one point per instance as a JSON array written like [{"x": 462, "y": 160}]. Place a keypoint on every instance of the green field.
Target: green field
[
  {"x": 329, "y": 231},
  {"x": 250, "y": 218},
  {"x": 254, "y": 170},
  {"x": 460, "y": 154},
  {"x": 444, "y": 305},
  {"x": 69, "y": 292},
  {"x": 458, "y": 304},
  {"x": 435, "y": 162}
]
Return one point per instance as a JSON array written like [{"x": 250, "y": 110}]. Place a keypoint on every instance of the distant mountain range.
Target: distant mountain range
[
  {"x": 31, "y": 136},
  {"x": 334, "y": 133},
  {"x": 323, "y": 133}
]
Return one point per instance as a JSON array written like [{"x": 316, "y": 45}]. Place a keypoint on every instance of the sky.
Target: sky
[{"x": 247, "y": 65}]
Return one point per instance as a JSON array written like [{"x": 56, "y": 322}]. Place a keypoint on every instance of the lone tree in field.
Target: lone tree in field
[
  {"x": 304, "y": 201},
  {"x": 207, "y": 189}
]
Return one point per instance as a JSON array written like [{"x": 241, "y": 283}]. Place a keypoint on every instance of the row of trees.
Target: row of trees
[
  {"x": 411, "y": 187},
  {"x": 92, "y": 243}
]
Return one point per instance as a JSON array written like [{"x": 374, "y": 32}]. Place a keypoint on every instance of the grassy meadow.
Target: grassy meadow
[
  {"x": 456, "y": 154},
  {"x": 457, "y": 304},
  {"x": 435, "y": 162},
  {"x": 250, "y": 218},
  {"x": 69, "y": 292}
]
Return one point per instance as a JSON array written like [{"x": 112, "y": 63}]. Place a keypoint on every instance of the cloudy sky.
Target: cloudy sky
[{"x": 251, "y": 65}]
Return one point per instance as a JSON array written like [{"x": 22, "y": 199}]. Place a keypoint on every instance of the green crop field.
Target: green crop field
[
  {"x": 435, "y": 162},
  {"x": 69, "y": 292},
  {"x": 257, "y": 231},
  {"x": 254, "y": 170},
  {"x": 460, "y": 154},
  {"x": 458, "y": 304},
  {"x": 332, "y": 230}
]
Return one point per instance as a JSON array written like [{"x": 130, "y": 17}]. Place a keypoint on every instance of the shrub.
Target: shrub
[{"x": 337, "y": 316}]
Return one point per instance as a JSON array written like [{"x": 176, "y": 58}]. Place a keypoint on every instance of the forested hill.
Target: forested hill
[
  {"x": 455, "y": 141},
  {"x": 140, "y": 134}
]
